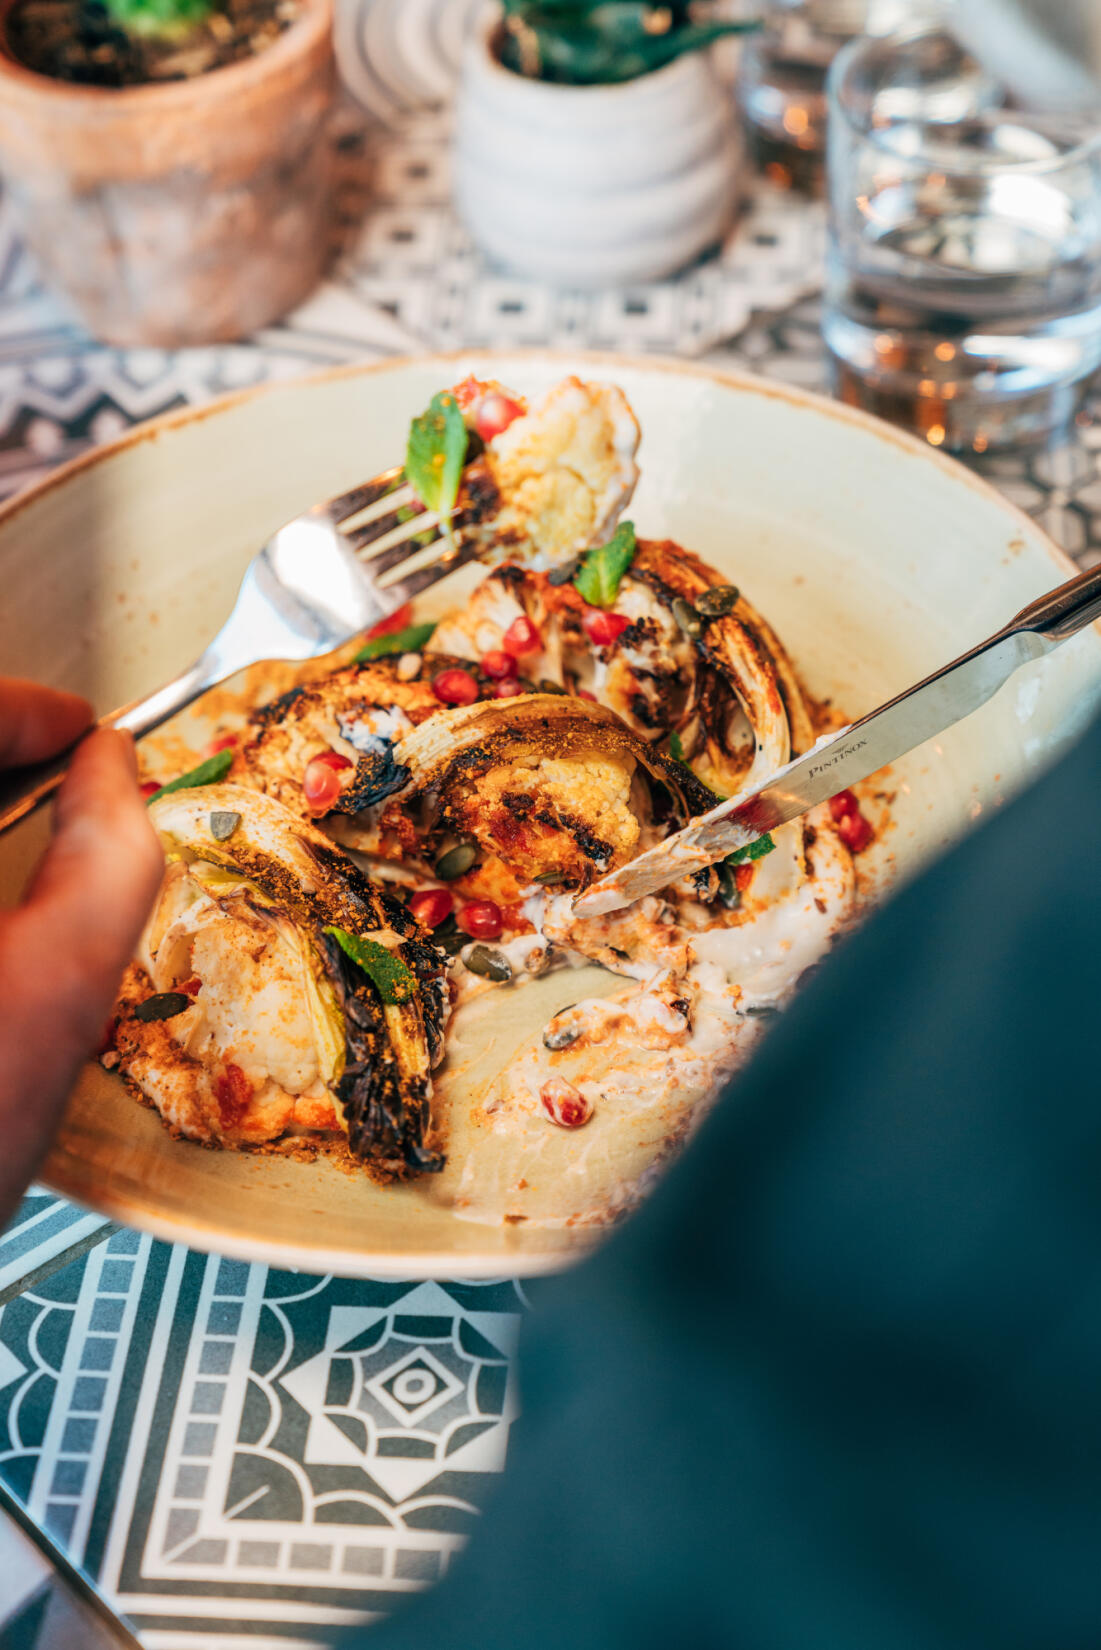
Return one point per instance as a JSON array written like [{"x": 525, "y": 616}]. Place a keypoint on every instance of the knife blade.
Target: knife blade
[{"x": 842, "y": 759}]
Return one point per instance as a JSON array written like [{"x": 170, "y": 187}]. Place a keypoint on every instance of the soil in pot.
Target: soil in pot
[{"x": 78, "y": 41}]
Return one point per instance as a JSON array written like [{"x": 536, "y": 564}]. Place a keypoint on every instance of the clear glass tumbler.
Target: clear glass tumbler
[
  {"x": 782, "y": 77},
  {"x": 963, "y": 295}
]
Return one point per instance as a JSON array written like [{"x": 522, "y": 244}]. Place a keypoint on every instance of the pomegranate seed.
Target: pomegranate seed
[
  {"x": 497, "y": 663},
  {"x": 191, "y": 987},
  {"x": 233, "y": 1091},
  {"x": 743, "y": 876},
  {"x": 602, "y": 628},
  {"x": 855, "y": 832},
  {"x": 583, "y": 693},
  {"x": 386, "y": 627},
  {"x": 843, "y": 804},
  {"x": 321, "y": 783},
  {"x": 150, "y": 787},
  {"x": 522, "y": 637},
  {"x": 495, "y": 415},
  {"x": 431, "y": 906},
  {"x": 564, "y": 1104},
  {"x": 508, "y": 689},
  {"x": 224, "y": 742},
  {"x": 456, "y": 687},
  {"x": 481, "y": 919}
]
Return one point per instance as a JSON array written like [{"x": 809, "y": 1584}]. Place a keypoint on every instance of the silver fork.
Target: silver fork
[{"x": 317, "y": 583}]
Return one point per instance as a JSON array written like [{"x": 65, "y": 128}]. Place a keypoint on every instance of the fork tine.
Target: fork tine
[
  {"x": 383, "y": 539},
  {"x": 402, "y": 550},
  {"x": 357, "y": 498},
  {"x": 403, "y": 590},
  {"x": 382, "y": 517}
]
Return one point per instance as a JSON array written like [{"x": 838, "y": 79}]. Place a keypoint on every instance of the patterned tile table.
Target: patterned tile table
[{"x": 234, "y": 1455}]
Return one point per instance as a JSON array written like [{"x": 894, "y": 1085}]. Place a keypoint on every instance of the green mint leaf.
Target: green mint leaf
[
  {"x": 394, "y": 982},
  {"x": 210, "y": 772},
  {"x": 597, "y": 579},
  {"x": 436, "y": 452},
  {"x": 409, "y": 640},
  {"x": 754, "y": 850}
]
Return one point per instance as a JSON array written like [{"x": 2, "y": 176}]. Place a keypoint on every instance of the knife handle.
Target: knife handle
[{"x": 1063, "y": 611}]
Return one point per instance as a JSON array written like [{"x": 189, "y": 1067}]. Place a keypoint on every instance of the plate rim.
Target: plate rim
[{"x": 364, "y": 1263}]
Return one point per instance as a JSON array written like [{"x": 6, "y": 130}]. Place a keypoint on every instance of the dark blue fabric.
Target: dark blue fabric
[{"x": 839, "y": 1383}]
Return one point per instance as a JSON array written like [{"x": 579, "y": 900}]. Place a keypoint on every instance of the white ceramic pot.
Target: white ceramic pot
[{"x": 593, "y": 186}]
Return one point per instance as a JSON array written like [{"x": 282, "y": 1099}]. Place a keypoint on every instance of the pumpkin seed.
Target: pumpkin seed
[
  {"x": 223, "y": 824},
  {"x": 547, "y": 686},
  {"x": 730, "y": 895},
  {"x": 564, "y": 573},
  {"x": 549, "y": 878},
  {"x": 164, "y": 1006},
  {"x": 450, "y": 936},
  {"x": 456, "y": 862},
  {"x": 720, "y": 599},
  {"x": 489, "y": 963},
  {"x": 687, "y": 617},
  {"x": 556, "y": 1037}
]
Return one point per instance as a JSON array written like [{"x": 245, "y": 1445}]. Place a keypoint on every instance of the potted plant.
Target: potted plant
[
  {"x": 169, "y": 158},
  {"x": 595, "y": 143}
]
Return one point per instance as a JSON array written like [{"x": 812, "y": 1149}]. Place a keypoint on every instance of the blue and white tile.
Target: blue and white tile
[
  {"x": 44, "y": 1234},
  {"x": 220, "y": 1445}
]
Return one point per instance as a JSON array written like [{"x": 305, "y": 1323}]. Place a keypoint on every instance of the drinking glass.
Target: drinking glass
[
  {"x": 963, "y": 294},
  {"x": 782, "y": 77}
]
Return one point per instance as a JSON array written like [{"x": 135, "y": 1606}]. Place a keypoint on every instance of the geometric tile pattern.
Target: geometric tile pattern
[
  {"x": 45, "y": 1233},
  {"x": 220, "y": 1445}
]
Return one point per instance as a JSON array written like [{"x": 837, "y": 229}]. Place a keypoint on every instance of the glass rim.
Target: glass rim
[{"x": 865, "y": 47}]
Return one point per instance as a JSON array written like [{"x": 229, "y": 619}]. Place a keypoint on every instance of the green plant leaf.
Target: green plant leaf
[
  {"x": 394, "y": 981},
  {"x": 753, "y": 850},
  {"x": 210, "y": 772},
  {"x": 603, "y": 42},
  {"x": 436, "y": 452},
  {"x": 158, "y": 19},
  {"x": 409, "y": 640},
  {"x": 598, "y": 577}
]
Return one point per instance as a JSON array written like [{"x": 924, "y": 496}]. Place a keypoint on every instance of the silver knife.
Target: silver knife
[{"x": 841, "y": 759}]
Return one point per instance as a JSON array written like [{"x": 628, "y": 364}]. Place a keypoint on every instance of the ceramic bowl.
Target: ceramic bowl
[{"x": 876, "y": 559}]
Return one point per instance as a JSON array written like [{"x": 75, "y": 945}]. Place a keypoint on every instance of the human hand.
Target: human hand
[{"x": 63, "y": 949}]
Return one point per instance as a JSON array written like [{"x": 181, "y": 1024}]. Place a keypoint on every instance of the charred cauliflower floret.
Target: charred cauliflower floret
[
  {"x": 277, "y": 989},
  {"x": 556, "y": 788},
  {"x": 550, "y": 480},
  {"x": 326, "y": 750},
  {"x": 677, "y": 651}
]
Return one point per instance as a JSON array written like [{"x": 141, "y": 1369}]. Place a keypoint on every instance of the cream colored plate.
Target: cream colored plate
[{"x": 876, "y": 559}]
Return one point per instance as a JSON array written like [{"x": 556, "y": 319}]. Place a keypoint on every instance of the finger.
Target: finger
[
  {"x": 36, "y": 722},
  {"x": 82, "y": 916}
]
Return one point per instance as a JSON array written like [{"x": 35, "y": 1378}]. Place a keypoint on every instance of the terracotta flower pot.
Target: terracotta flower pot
[{"x": 180, "y": 213}]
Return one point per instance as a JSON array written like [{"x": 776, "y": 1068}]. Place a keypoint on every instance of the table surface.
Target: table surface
[{"x": 179, "y": 1426}]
